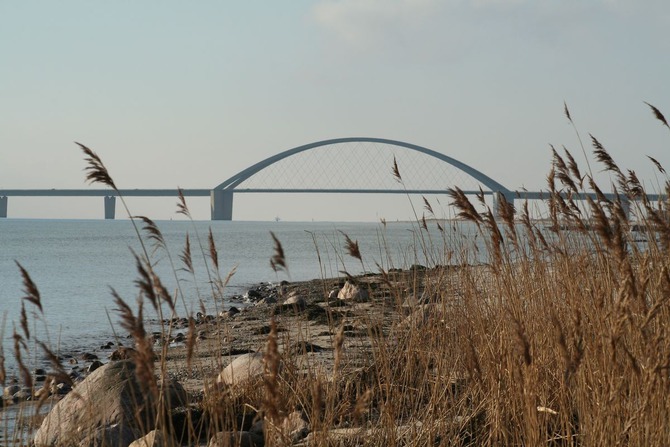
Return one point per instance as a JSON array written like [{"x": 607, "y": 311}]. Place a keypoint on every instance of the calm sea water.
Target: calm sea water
[{"x": 75, "y": 263}]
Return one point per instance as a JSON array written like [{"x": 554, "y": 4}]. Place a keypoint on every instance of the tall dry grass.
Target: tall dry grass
[{"x": 560, "y": 339}]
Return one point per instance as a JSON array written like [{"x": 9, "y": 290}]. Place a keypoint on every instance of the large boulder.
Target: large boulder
[{"x": 109, "y": 406}]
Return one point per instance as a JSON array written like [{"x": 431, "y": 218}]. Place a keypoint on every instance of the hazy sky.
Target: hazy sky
[{"x": 176, "y": 93}]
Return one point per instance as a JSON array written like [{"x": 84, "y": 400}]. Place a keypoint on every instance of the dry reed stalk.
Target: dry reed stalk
[
  {"x": 395, "y": 171},
  {"x": 465, "y": 208},
  {"x": 339, "y": 345},
  {"x": 144, "y": 354},
  {"x": 563, "y": 173},
  {"x": 278, "y": 260},
  {"x": 96, "y": 170},
  {"x": 658, "y": 115},
  {"x": 154, "y": 233},
  {"x": 20, "y": 345},
  {"x": 657, "y": 164},
  {"x": 352, "y": 247},
  {"x": 272, "y": 359},
  {"x": 190, "y": 341},
  {"x": 182, "y": 207},
  {"x": 185, "y": 256},
  {"x": 213, "y": 253},
  {"x": 32, "y": 294},
  {"x": 427, "y": 206}
]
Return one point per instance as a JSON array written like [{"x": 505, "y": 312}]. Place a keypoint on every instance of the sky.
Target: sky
[{"x": 187, "y": 94}]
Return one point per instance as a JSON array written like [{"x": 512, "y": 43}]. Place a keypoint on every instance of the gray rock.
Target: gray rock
[
  {"x": 10, "y": 390},
  {"x": 267, "y": 300},
  {"x": 93, "y": 366},
  {"x": 294, "y": 427},
  {"x": 352, "y": 292},
  {"x": 244, "y": 368},
  {"x": 60, "y": 388},
  {"x": 88, "y": 357},
  {"x": 109, "y": 405},
  {"x": 21, "y": 396},
  {"x": 122, "y": 353},
  {"x": 333, "y": 293},
  {"x": 295, "y": 299},
  {"x": 230, "y": 313},
  {"x": 174, "y": 393}
]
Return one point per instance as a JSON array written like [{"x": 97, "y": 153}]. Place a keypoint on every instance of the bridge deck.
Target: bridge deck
[
  {"x": 201, "y": 192},
  {"x": 521, "y": 195}
]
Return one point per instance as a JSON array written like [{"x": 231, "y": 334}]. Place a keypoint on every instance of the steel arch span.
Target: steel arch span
[{"x": 222, "y": 195}]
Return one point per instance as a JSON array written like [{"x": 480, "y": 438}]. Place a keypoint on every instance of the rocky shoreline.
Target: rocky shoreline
[{"x": 311, "y": 321}]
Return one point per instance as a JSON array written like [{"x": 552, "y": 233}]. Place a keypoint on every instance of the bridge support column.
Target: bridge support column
[
  {"x": 498, "y": 197},
  {"x": 221, "y": 204},
  {"x": 3, "y": 206},
  {"x": 110, "y": 207}
]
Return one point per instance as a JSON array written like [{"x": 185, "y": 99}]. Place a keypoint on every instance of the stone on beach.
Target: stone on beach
[
  {"x": 243, "y": 369},
  {"x": 22, "y": 395},
  {"x": 109, "y": 405},
  {"x": 123, "y": 353},
  {"x": 10, "y": 391},
  {"x": 230, "y": 313},
  {"x": 266, "y": 300},
  {"x": 295, "y": 299},
  {"x": 294, "y": 427},
  {"x": 352, "y": 292}
]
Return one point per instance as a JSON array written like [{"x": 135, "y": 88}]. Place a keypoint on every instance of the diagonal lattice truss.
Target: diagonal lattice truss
[{"x": 360, "y": 165}]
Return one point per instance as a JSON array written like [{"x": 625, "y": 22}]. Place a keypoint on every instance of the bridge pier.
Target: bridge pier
[
  {"x": 3, "y": 206},
  {"x": 221, "y": 204},
  {"x": 110, "y": 207}
]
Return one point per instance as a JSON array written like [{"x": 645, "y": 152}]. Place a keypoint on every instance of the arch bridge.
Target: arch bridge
[{"x": 222, "y": 195}]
